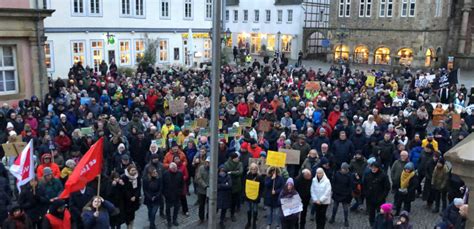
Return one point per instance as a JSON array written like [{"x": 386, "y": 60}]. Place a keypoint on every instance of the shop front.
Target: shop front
[{"x": 257, "y": 43}]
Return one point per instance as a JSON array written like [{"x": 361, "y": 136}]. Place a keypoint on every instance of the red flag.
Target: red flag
[
  {"x": 23, "y": 168},
  {"x": 86, "y": 170}
]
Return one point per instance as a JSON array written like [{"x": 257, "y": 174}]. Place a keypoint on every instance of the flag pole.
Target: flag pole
[{"x": 98, "y": 185}]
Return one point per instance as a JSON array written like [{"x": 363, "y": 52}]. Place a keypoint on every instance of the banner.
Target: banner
[
  {"x": 251, "y": 189},
  {"x": 276, "y": 159},
  {"x": 23, "y": 169},
  {"x": 313, "y": 85}
]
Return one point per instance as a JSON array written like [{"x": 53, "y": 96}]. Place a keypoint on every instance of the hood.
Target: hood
[{"x": 44, "y": 156}]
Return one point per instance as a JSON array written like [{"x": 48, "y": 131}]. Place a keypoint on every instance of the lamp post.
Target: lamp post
[
  {"x": 341, "y": 34},
  {"x": 278, "y": 44}
]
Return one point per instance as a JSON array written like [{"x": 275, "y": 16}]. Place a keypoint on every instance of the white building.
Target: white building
[
  {"x": 94, "y": 30},
  {"x": 273, "y": 24}
]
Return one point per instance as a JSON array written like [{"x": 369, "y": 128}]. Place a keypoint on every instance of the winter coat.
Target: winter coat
[
  {"x": 173, "y": 185},
  {"x": 169, "y": 158},
  {"x": 439, "y": 180},
  {"x": 236, "y": 170},
  {"x": 52, "y": 188},
  {"x": 321, "y": 190},
  {"x": 342, "y": 150},
  {"x": 12, "y": 223},
  {"x": 342, "y": 186},
  {"x": 303, "y": 187},
  {"x": 4, "y": 204},
  {"x": 289, "y": 195},
  {"x": 451, "y": 214},
  {"x": 358, "y": 166},
  {"x": 376, "y": 187},
  {"x": 201, "y": 180},
  {"x": 77, "y": 201},
  {"x": 116, "y": 196},
  {"x": 271, "y": 200},
  {"x": 224, "y": 192},
  {"x": 129, "y": 192},
  {"x": 396, "y": 171},
  {"x": 386, "y": 150},
  {"x": 260, "y": 180},
  {"x": 381, "y": 222},
  {"x": 34, "y": 204},
  {"x": 54, "y": 167},
  {"x": 415, "y": 155},
  {"x": 423, "y": 162},
  {"x": 310, "y": 163},
  {"x": 102, "y": 221},
  {"x": 410, "y": 193},
  {"x": 152, "y": 188}
]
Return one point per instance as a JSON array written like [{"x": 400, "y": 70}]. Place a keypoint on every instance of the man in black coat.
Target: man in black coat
[
  {"x": 77, "y": 201},
  {"x": 387, "y": 149},
  {"x": 173, "y": 184},
  {"x": 343, "y": 149},
  {"x": 376, "y": 187},
  {"x": 303, "y": 187},
  {"x": 342, "y": 186}
]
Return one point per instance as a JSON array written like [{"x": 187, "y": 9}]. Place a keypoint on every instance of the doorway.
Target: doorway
[{"x": 111, "y": 56}]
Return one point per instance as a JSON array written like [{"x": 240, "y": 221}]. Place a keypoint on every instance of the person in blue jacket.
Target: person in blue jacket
[
  {"x": 96, "y": 214},
  {"x": 274, "y": 183}
]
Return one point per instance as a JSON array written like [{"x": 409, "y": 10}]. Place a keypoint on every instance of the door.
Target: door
[{"x": 111, "y": 56}]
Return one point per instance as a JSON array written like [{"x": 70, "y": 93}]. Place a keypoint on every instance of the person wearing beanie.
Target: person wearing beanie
[
  {"x": 234, "y": 168},
  {"x": 403, "y": 221},
  {"x": 289, "y": 194},
  {"x": 357, "y": 166},
  {"x": 376, "y": 188},
  {"x": 17, "y": 218},
  {"x": 224, "y": 193},
  {"x": 451, "y": 214},
  {"x": 405, "y": 188},
  {"x": 52, "y": 186},
  {"x": 384, "y": 219},
  {"x": 67, "y": 170},
  {"x": 174, "y": 151},
  {"x": 320, "y": 139},
  {"x": 58, "y": 216},
  {"x": 439, "y": 185},
  {"x": 342, "y": 186},
  {"x": 46, "y": 161}
]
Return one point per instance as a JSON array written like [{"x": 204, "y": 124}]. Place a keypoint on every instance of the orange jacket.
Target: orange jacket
[{"x": 169, "y": 158}]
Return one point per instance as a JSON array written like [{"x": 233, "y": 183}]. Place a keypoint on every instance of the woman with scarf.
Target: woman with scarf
[
  {"x": 17, "y": 219},
  {"x": 405, "y": 190},
  {"x": 289, "y": 193},
  {"x": 132, "y": 192}
]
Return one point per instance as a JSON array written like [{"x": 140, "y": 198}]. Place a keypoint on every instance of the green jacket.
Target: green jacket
[
  {"x": 236, "y": 169},
  {"x": 52, "y": 188},
  {"x": 202, "y": 180}
]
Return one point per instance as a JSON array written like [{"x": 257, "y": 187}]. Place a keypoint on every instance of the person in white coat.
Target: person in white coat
[{"x": 321, "y": 192}]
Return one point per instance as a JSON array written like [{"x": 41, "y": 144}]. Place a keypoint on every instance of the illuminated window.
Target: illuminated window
[
  {"x": 125, "y": 53},
  {"x": 163, "y": 47},
  {"x": 428, "y": 57},
  {"x": 48, "y": 56},
  {"x": 8, "y": 70},
  {"x": 78, "y": 51},
  {"x": 255, "y": 43},
  {"x": 406, "y": 56},
  {"x": 286, "y": 43},
  {"x": 361, "y": 54},
  {"x": 207, "y": 48},
  {"x": 271, "y": 42},
  {"x": 139, "y": 50},
  {"x": 341, "y": 52},
  {"x": 382, "y": 56},
  {"x": 97, "y": 51}
]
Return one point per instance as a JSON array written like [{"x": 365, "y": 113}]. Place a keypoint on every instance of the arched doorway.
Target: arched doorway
[
  {"x": 314, "y": 44},
  {"x": 382, "y": 56},
  {"x": 341, "y": 52},
  {"x": 406, "y": 56},
  {"x": 429, "y": 56},
  {"x": 361, "y": 54}
]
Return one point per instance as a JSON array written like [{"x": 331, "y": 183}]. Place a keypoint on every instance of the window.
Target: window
[
  {"x": 271, "y": 42},
  {"x": 48, "y": 56},
  {"x": 163, "y": 50},
  {"x": 361, "y": 54},
  {"x": 389, "y": 8},
  {"x": 279, "y": 16},
  {"x": 386, "y": 8},
  {"x": 246, "y": 15},
  {"x": 268, "y": 14},
  {"x": 383, "y": 4},
  {"x": 438, "y": 10},
  {"x": 236, "y": 15},
  {"x": 95, "y": 7},
  {"x": 341, "y": 7},
  {"x": 404, "y": 11},
  {"x": 125, "y": 8},
  {"x": 227, "y": 15},
  {"x": 165, "y": 9},
  {"x": 257, "y": 16},
  {"x": 207, "y": 48},
  {"x": 78, "y": 7},
  {"x": 286, "y": 43},
  {"x": 139, "y": 51},
  {"x": 209, "y": 9},
  {"x": 290, "y": 16},
  {"x": 97, "y": 51},
  {"x": 406, "y": 56},
  {"x": 78, "y": 52},
  {"x": 368, "y": 8},
  {"x": 125, "y": 53},
  {"x": 8, "y": 71},
  {"x": 412, "y": 8},
  {"x": 341, "y": 52},
  {"x": 139, "y": 8},
  {"x": 348, "y": 8},
  {"x": 361, "y": 8},
  {"x": 188, "y": 9},
  {"x": 345, "y": 8},
  {"x": 382, "y": 56}
]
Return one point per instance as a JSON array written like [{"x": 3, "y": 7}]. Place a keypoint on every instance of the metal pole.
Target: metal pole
[{"x": 215, "y": 80}]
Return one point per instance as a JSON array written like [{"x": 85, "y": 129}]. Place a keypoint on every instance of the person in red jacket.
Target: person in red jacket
[
  {"x": 58, "y": 216},
  {"x": 252, "y": 147},
  {"x": 151, "y": 100},
  {"x": 46, "y": 162},
  {"x": 184, "y": 170},
  {"x": 243, "y": 108},
  {"x": 174, "y": 151},
  {"x": 63, "y": 142},
  {"x": 334, "y": 116}
]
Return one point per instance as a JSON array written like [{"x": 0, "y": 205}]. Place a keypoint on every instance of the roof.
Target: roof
[{"x": 288, "y": 2}]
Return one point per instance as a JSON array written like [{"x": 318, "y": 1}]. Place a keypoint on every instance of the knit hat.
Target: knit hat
[
  {"x": 234, "y": 155},
  {"x": 47, "y": 171},
  {"x": 458, "y": 201},
  {"x": 322, "y": 130},
  {"x": 441, "y": 160},
  {"x": 344, "y": 165},
  {"x": 263, "y": 154},
  {"x": 287, "y": 142},
  {"x": 125, "y": 157},
  {"x": 174, "y": 144},
  {"x": 409, "y": 166},
  {"x": 324, "y": 160},
  {"x": 387, "y": 208},
  {"x": 376, "y": 164},
  {"x": 70, "y": 163},
  {"x": 290, "y": 181},
  {"x": 371, "y": 160}
]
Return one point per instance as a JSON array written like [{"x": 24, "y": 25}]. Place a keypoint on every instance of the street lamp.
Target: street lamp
[
  {"x": 278, "y": 44},
  {"x": 341, "y": 34},
  {"x": 225, "y": 35}
]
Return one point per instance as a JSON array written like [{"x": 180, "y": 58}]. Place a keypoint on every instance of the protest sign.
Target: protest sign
[
  {"x": 9, "y": 150},
  {"x": 251, "y": 189},
  {"x": 188, "y": 124},
  {"x": 261, "y": 163},
  {"x": 177, "y": 106},
  {"x": 85, "y": 100},
  {"x": 264, "y": 125},
  {"x": 204, "y": 132},
  {"x": 245, "y": 122},
  {"x": 276, "y": 159},
  {"x": 238, "y": 90},
  {"x": 220, "y": 124},
  {"x": 202, "y": 122},
  {"x": 224, "y": 137},
  {"x": 292, "y": 156},
  {"x": 456, "y": 121},
  {"x": 160, "y": 142},
  {"x": 87, "y": 131},
  {"x": 292, "y": 205},
  {"x": 370, "y": 82},
  {"x": 313, "y": 85}
]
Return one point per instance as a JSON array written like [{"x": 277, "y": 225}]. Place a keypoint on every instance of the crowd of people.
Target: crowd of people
[{"x": 357, "y": 142}]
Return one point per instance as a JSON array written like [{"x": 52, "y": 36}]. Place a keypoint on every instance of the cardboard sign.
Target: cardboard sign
[
  {"x": 456, "y": 121},
  {"x": 17, "y": 138},
  {"x": 277, "y": 159},
  {"x": 87, "y": 131},
  {"x": 264, "y": 125},
  {"x": 177, "y": 106},
  {"x": 290, "y": 206},
  {"x": 238, "y": 90},
  {"x": 252, "y": 189},
  {"x": 9, "y": 150},
  {"x": 19, "y": 146},
  {"x": 202, "y": 122},
  {"x": 370, "y": 82},
  {"x": 245, "y": 122},
  {"x": 292, "y": 156},
  {"x": 313, "y": 85},
  {"x": 261, "y": 163}
]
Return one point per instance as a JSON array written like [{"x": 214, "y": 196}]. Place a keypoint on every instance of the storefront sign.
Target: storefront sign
[{"x": 195, "y": 35}]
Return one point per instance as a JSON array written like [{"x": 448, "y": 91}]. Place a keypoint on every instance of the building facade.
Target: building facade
[
  {"x": 266, "y": 25},
  {"x": 94, "y": 30},
  {"x": 461, "y": 34},
  {"x": 22, "y": 69},
  {"x": 382, "y": 32}
]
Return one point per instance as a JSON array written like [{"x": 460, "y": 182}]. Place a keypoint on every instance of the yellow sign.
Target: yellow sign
[
  {"x": 195, "y": 35},
  {"x": 276, "y": 159},
  {"x": 251, "y": 189},
  {"x": 370, "y": 82}
]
